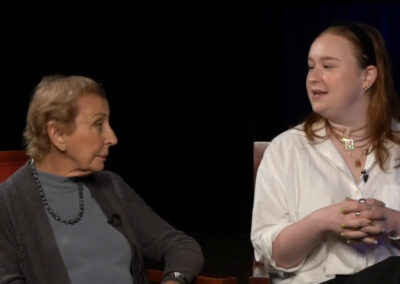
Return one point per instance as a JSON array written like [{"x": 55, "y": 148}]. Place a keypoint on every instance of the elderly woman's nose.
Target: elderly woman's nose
[{"x": 111, "y": 138}]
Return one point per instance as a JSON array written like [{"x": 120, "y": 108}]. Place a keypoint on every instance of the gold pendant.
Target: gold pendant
[{"x": 348, "y": 144}]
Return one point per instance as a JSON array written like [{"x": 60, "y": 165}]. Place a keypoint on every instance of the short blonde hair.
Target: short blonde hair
[{"x": 54, "y": 99}]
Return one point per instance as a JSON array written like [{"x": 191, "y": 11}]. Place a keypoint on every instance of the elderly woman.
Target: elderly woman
[{"x": 65, "y": 220}]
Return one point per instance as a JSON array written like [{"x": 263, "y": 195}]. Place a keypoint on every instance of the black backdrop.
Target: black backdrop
[{"x": 191, "y": 85}]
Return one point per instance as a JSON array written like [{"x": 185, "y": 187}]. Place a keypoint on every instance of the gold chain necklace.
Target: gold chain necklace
[
  {"x": 345, "y": 138},
  {"x": 358, "y": 161},
  {"x": 349, "y": 143}
]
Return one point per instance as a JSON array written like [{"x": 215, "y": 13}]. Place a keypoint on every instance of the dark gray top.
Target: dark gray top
[{"x": 92, "y": 250}]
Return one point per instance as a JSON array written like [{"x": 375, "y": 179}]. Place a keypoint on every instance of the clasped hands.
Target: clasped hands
[{"x": 361, "y": 220}]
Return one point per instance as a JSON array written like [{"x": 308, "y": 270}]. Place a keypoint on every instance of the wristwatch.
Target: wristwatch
[{"x": 176, "y": 276}]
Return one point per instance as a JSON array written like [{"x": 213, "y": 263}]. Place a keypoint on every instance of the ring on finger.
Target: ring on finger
[
  {"x": 358, "y": 214},
  {"x": 362, "y": 200}
]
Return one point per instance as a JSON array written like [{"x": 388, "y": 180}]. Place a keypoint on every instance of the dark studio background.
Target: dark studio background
[{"x": 191, "y": 85}]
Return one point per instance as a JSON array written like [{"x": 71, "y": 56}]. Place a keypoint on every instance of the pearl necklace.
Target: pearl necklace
[{"x": 46, "y": 204}]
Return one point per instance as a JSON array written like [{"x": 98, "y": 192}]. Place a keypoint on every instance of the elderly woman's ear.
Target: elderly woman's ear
[{"x": 56, "y": 135}]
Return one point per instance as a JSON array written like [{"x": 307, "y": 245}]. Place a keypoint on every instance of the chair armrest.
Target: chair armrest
[
  {"x": 260, "y": 274},
  {"x": 201, "y": 279},
  {"x": 258, "y": 280},
  {"x": 154, "y": 275}
]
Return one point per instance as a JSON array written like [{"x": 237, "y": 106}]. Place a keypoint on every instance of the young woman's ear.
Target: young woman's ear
[
  {"x": 371, "y": 74},
  {"x": 56, "y": 135}
]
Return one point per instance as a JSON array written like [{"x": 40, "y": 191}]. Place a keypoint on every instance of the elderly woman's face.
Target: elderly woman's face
[{"x": 88, "y": 145}]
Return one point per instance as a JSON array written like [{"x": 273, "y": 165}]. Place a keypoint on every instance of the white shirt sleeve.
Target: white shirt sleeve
[{"x": 270, "y": 210}]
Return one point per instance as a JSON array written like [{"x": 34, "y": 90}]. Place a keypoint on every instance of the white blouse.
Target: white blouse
[{"x": 296, "y": 178}]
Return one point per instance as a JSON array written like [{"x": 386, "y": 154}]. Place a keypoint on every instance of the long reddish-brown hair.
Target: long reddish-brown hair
[{"x": 384, "y": 103}]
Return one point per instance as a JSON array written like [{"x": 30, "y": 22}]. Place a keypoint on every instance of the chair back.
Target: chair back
[
  {"x": 259, "y": 148},
  {"x": 10, "y": 161},
  {"x": 259, "y": 270}
]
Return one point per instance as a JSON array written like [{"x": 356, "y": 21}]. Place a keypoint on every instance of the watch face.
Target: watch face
[{"x": 177, "y": 274}]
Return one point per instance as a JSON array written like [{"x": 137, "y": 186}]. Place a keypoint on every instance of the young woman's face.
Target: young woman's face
[{"x": 335, "y": 80}]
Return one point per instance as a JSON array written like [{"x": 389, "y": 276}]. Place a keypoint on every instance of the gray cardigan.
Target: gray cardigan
[{"x": 28, "y": 249}]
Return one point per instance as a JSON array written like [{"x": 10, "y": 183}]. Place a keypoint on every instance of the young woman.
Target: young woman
[{"x": 327, "y": 194}]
